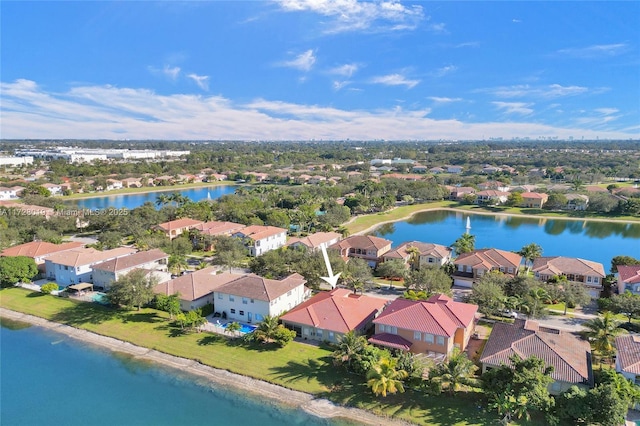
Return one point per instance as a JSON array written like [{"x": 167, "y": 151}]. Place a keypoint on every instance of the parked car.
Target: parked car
[{"x": 508, "y": 313}]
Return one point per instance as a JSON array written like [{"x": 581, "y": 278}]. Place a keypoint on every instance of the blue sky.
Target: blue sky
[{"x": 320, "y": 69}]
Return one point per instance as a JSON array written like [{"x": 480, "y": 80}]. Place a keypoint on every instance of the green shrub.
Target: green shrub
[{"x": 49, "y": 287}]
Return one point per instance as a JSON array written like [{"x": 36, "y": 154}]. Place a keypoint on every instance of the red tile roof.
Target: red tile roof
[
  {"x": 439, "y": 315},
  {"x": 489, "y": 258},
  {"x": 629, "y": 274},
  {"x": 39, "y": 249},
  {"x": 219, "y": 228},
  {"x": 259, "y": 288},
  {"x": 628, "y": 347},
  {"x": 259, "y": 232},
  {"x": 195, "y": 285},
  {"x": 363, "y": 242},
  {"x": 179, "y": 224},
  {"x": 315, "y": 240},
  {"x": 569, "y": 355},
  {"x": 391, "y": 341},
  {"x": 87, "y": 256},
  {"x": 338, "y": 310},
  {"x": 559, "y": 265},
  {"x": 425, "y": 249},
  {"x": 132, "y": 261}
]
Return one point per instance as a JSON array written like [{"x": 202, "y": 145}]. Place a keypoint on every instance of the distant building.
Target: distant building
[
  {"x": 470, "y": 267},
  {"x": 587, "y": 272},
  {"x": 105, "y": 273},
  {"x": 315, "y": 241},
  {"x": 365, "y": 247},
  {"x": 177, "y": 227}
]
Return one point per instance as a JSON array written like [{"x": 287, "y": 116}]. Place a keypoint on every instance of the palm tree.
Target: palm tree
[
  {"x": 530, "y": 252},
  {"x": 465, "y": 244},
  {"x": 414, "y": 257},
  {"x": 537, "y": 296},
  {"x": 458, "y": 370},
  {"x": 177, "y": 264},
  {"x": 267, "y": 329},
  {"x": 233, "y": 328},
  {"x": 162, "y": 200},
  {"x": 350, "y": 345},
  {"x": 602, "y": 332},
  {"x": 383, "y": 378}
]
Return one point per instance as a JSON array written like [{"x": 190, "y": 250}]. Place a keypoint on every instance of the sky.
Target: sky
[{"x": 319, "y": 70}]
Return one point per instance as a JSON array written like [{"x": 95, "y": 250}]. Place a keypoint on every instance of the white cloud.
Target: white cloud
[
  {"x": 354, "y": 15},
  {"x": 607, "y": 111},
  {"x": 107, "y": 112},
  {"x": 302, "y": 62},
  {"x": 201, "y": 80},
  {"x": 346, "y": 70},
  {"x": 550, "y": 91},
  {"x": 171, "y": 73},
  {"x": 395, "y": 80},
  {"x": 596, "y": 51},
  {"x": 520, "y": 108},
  {"x": 441, "y": 72},
  {"x": 440, "y": 100},
  {"x": 338, "y": 85}
]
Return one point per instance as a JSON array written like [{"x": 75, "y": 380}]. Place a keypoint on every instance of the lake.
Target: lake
[
  {"x": 589, "y": 240},
  {"x": 50, "y": 379},
  {"x": 131, "y": 201}
]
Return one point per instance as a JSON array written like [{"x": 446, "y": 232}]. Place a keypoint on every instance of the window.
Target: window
[
  {"x": 417, "y": 335},
  {"x": 241, "y": 312},
  {"x": 289, "y": 293},
  {"x": 431, "y": 260},
  {"x": 510, "y": 270},
  {"x": 231, "y": 298},
  {"x": 331, "y": 336},
  {"x": 233, "y": 311},
  {"x": 251, "y": 300},
  {"x": 259, "y": 318},
  {"x": 245, "y": 300},
  {"x": 219, "y": 295},
  {"x": 588, "y": 279},
  {"x": 596, "y": 280},
  {"x": 555, "y": 386},
  {"x": 502, "y": 269},
  {"x": 428, "y": 338},
  {"x": 439, "y": 340}
]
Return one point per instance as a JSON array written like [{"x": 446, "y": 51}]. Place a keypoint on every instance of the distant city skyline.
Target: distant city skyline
[{"x": 320, "y": 70}]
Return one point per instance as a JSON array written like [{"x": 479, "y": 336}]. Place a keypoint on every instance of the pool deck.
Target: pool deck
[{"x": 216, "y": 325}]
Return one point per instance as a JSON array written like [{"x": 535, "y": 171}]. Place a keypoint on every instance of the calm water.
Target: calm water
[
  {"x": 597, "y": 241},
  {"x": 50, "y": 379},
  {"x": 131, "y": 201}
]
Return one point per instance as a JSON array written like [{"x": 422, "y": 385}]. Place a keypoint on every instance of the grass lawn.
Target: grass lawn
[
  {"x": 297, "y": 366},
  {"x": 559, "y": 307}
]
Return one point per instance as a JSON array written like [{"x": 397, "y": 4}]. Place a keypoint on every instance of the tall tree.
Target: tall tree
[
  {"x": 356, "y": 274},
  {"x": 429, "y": 280},
  {"x": 627, "y": 304},
  {"x": 573, "y": 294},
  {"x": 535, "y": 301},
  {"x": 17, "y": 269},
  {"x": 465, "y": 244},
  {"x": 350, "y": 346},
  {"x": 383, "y": 378},
  {"x": 456, "y": 371},
  {"x": 230, "y": 252},
  {"x": 170, "y": 304},
  {"x": 133, "y": 289},
  {"x": 530, "y": 252},
  {"x": 488, "y": 293},
  {"x": 392, "y": 270},
  {"x": 602, "y": 332}
]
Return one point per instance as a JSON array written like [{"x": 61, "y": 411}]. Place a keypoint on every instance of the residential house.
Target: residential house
[
  {"x": 215, "y": 228},
  {"x": 590, "y": 273},
  {"x": 261, "y": 239},
  {"x": 470, "y": 267},
  {"x": 491, "y": 196},
  {"x": 249, "y": 298},
  {"x": 365, "y": 247},
  {"x": 53, "y": 188},
  {"x": 437, "y": 170},
  {"x": 105, "y": 273},
  {"x": 407, "y": 177},
  {"x": 524, "y": 188},
  {"x": 177, "y": 227},
  {"x": 454, "y": 169},
  {"x": 10, "y": 193},
  {"x": 433, "y": 327},
  {"x": 39, "y": 250},
  {"x": 457, "y": 193},
  {"x": 196, "y": 289},
  {"x": 132, "y": 183},
  {"x": 76, "y": 265},
  {"x": 419, "y": 168},
  {"x": 494, "y": 184},
  {"x": 569, "y": 355},
  {"x": 316, "y": 241},
  {"x": 328, "y": 315},
  {"x": 533, "y": 199},
  {"x": 576, "y": 202},
  {"x": 628, "y": 358},
  {"x": 113, "y": 184},
  {"x": 629, "y": 279},
  {"x": 426, "y": 254},
  {"x": 259, "y": 177}
]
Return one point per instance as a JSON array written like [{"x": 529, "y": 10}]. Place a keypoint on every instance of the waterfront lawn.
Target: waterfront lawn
[{"x": 297, "y": 366}]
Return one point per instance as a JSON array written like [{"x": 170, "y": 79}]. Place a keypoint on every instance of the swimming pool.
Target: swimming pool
[
  {"x": 244, "y": 328},
  {"x": 100, "y": 298}
]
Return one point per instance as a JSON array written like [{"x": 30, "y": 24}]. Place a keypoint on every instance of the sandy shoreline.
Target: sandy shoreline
[
  {"x": 315, "y": 406},
  {"x": 452, "y": 209}
]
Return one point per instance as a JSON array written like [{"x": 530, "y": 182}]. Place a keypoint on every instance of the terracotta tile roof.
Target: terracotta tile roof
[
  {"x": 363, "y": 242},
  {"x": 39, "y": 249},
  {"x": 179, "y": 224},
  {"x": 558, "y": 265},
  {"x": 629, "y": 274},
  {"x": 534, "y": 195},
  {"x": 131, "y": 261},
  {"x": 315, "y": 240},
  {"x": 87, "y": 256},
  {"x": 260, "y": 232},
  {"x": 391, "y": 341},
  {"x": 255, "y": 287},
  {"x": 338, "y": 310},
  {"x": 569, "y": 355},
  {"x": 219, "y": 228},
  {"x": 489, "y": 258},
  {"x": 628, "y": 347},
  {"x": 195, "y": 285},
  {"x": 439, "y": 315},
  {"x": 492, "y": 193},
  {"x": 425, "y": 249}
]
